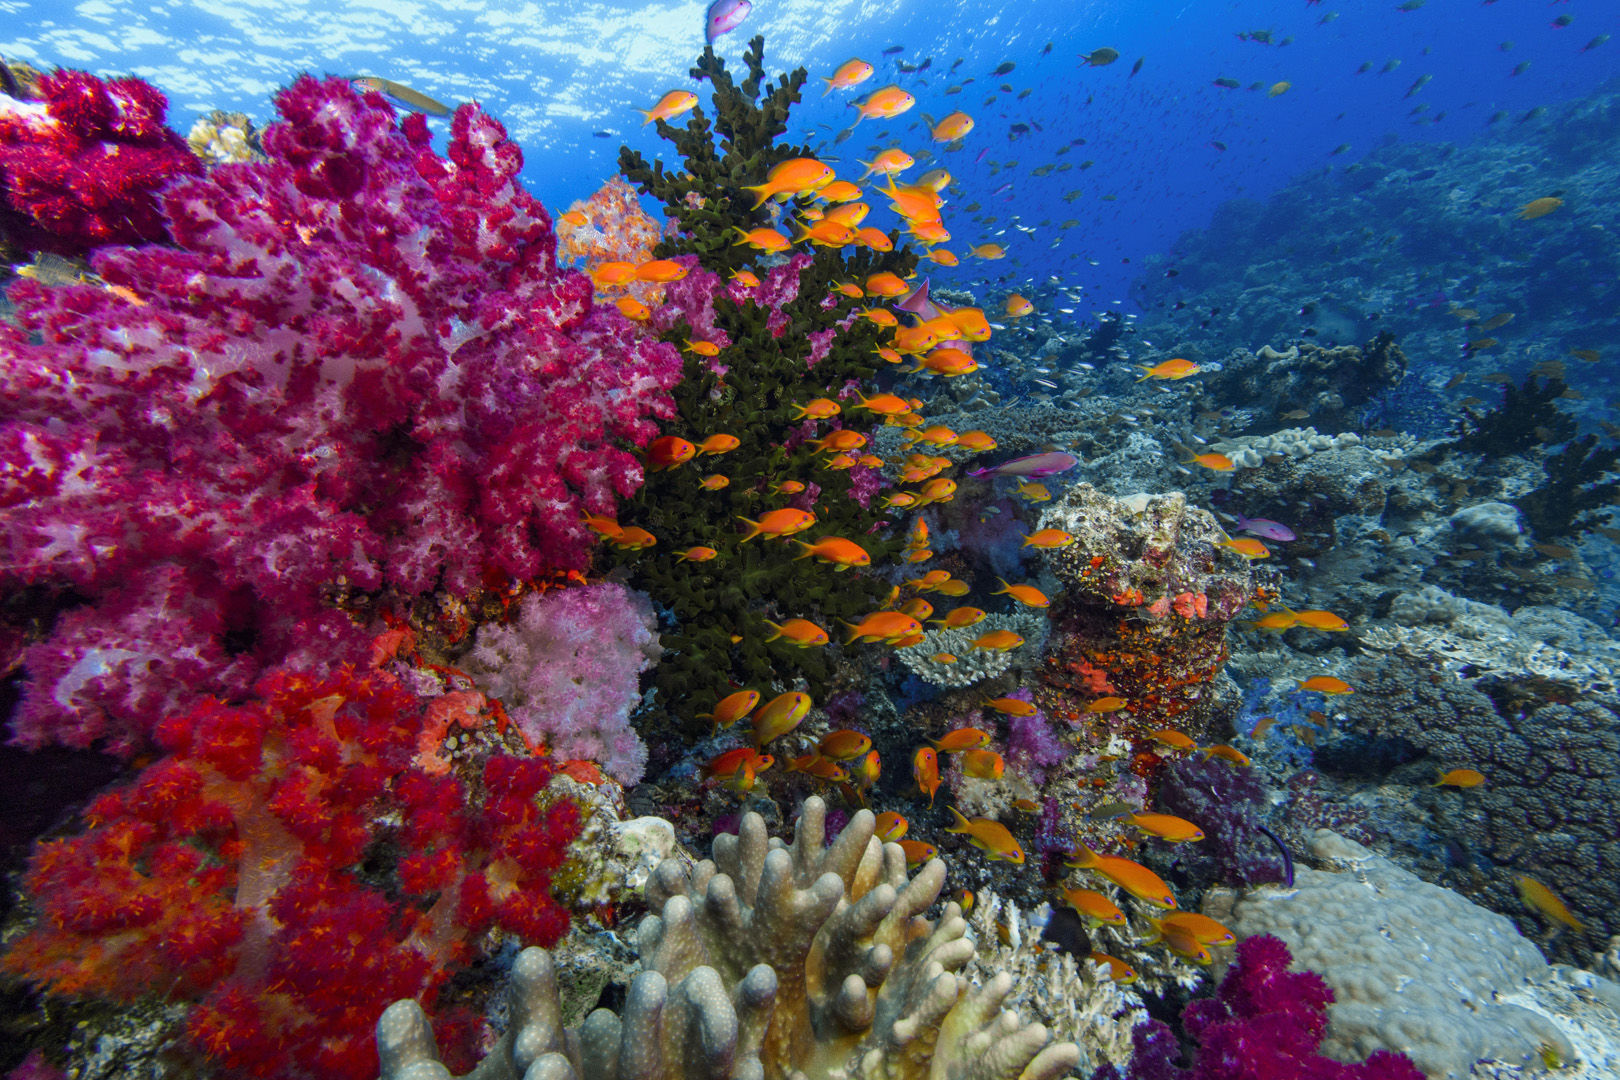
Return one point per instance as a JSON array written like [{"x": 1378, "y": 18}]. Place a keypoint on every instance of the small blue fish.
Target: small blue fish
[{"x": 725, "y": 16}]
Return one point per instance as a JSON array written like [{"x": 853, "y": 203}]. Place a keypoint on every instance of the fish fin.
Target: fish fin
[{"x": 962, "y": 823}]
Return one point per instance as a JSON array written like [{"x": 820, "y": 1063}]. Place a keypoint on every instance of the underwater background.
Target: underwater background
[{"x": 776, "y": 539}]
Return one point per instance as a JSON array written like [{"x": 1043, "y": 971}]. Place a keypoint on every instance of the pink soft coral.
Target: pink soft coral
[{"x": 358, "y": 369}]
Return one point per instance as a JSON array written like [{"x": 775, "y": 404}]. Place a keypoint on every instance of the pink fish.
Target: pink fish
[
  {"x": 1265, "y": 528},
  {"x": 1035, "y": 465},
  {"x": 916, "y": 301},
  {"x": 725, "y": 16}
]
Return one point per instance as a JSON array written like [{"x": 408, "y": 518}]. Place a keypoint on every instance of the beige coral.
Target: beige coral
[{"x": 805, "y": 961}]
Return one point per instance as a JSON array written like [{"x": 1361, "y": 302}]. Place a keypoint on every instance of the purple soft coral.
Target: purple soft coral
[
  {"x": 1264, "y": 1023},
  {"x": 357, "y": 368}
]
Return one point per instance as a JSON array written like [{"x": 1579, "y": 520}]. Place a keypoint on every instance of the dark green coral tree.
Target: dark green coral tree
[{"x": 707, "y": 604}]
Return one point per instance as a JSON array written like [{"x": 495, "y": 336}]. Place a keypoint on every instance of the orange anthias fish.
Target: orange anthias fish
[
  {"x": 801, "y": 632},
  {"x": 842, "y": 439},
  {"x": 953, "y": 127},
  {"x": 885, "y": 283},
  {"x": 824, "y": 233},
  {"x": 1012, "y": 706},
  {"x": 728, "y": 763},
  {"x": 697, "y": 554},
  {"x": 661, "y": 270},
  {"x": 917, "y": 851},
  {"x": 719, "y": 444},
  {"x": 840, "y": 191},
  {"x": 891, "y": 161},
  {"x": 1172, "y": 737},
  {"x": 633, "y": 537},
  {"x": 1213, "y": 462},
  {"x": 1170, "y": 370},
  {"x": 841, "y": 554},
  {"x": 977, "y": 441},
  {"x": 1133, "y": 877},
  {"x": 850, "y": 73},
  {"x": 925, "y": 769},
  {"x": 889, "y": 827},
  {"x": 884, "y": 404},
  {"x": 1166, "y": 827},
  {"x": 1017, "y": 306},
  {"x": 883, "y": 104},
  {"x": 670, "y": 106},
  {"x": 866, "y": 770},
  {"x": 1050, "y": 539},
  {"x": 991, "y": 837},
  {"x": 732, "y": 707},
  {"x": 988, "y": 251},
  {"x": 971, "y": 322},
  {"x": 1110, "y": 704},
  {"x": 746, "y": 278},
  {"x": 819, "y": 767},
  {"x": 1229, "y": 754},
  {"x": 998, "y": 641},
  {"x": 631, "y": 308},
  {"x": 961, "y": 739},
  {"x": 1028, "y": 595},
  {"x": 702, "y": 348},
  {"x": 779, "y": 716},
  {"x": 1094, "y": 907},
  {"x": 961, "y": 616},
  {"x": 1326, "y": 684},
  {"x": 1319, "y": 620},
  {"x": 1537, "y": 896},
  {"x": 843, "y": 745},
  {"x": 1118, "y": 970},
  {"x": 886, "y": 626},
  {"x": 715, "y": 482},
  {"x": 763, "y": 239},
  {"x": 819, "y": 409},
  {"x": 1201, "y": 927},
  {"x": 982, "y": 764},
  {"x": 1461, "y": 778},
  {"x": 1248, "y": 547},
  {"x": 778, "y": 523},
  {"x": 795, "y": 176}
]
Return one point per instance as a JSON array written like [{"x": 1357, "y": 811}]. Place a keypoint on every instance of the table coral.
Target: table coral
[
  {"x": 772, "y": 961},
  {"x": 357, "y": 368},
  {"x": 293, "y": 863}
]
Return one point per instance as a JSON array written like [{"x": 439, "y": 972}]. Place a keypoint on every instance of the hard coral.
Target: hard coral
[
  {"x": 358, "y": 369},
  {"x": 251, "y": 871},
  {"x": 84, "y": 166},
  {"x": 773, "y": 962},
  {"x": 1264, "y": 1023}
]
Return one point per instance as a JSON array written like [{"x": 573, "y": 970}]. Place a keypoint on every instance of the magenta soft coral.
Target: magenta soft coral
[
  {"x": 1264, "y": 1023},
  {"x": 357, "y": 368},
  {"x": 250, "y": 872},
  {"x": 83, "y": 166}
]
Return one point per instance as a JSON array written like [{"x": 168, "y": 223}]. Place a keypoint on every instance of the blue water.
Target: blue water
[{"x": 568, "y": 80}]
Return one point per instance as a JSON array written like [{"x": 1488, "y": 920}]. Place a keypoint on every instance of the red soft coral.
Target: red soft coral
[{"x": 248, "y": 872}]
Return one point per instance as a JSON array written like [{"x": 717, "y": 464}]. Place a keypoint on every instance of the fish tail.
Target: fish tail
[
  {"x": 962, "y": 824},
  {"x": 808, "y": 550},
  {"x": 647, "y": 116},
  {"x": 829, "y": 89},
  {"x": 764, "y": 192},
  {"x": 1144, "y": 378},
  {"x": 753, "y": 530},
  {"x": 854, "y": 632}
]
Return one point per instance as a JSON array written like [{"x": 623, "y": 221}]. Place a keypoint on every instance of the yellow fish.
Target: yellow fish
[
  {"x": 1012, "y": 706},
  {"x": 801, "y": 632},
  {"x": 670, "y": 106},
  {"x": 850, "y": 73},
  {"x": 1050, "y": 539},
  {"x": 779, "y": 716},
  {"x": 1094, "y": 907},
  {"x": 1133, "y": 877},
  {"x": 925, "y": 770},
  {"x": 883, "y": 104},
  {"x": 1460, "y": 778},
  {"x": 953, "y": 127},
  {"x": 998, "y": 641},
  {"x": 1538, "y": 896},
  {"x": 1166, "y": 827},
  {"x": 732, "y": 708},
  {"x": 991, "y": 837},
  {"x": 1170, "y": 370},
  {"x": 891, "y": 161},
  {"x": 890, "y": 827},
  {"x": 1028, "y": 595},
  {"x": 1539, "y": 208}
]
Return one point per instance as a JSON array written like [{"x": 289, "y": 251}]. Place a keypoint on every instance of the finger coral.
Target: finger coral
[
  {"x": 772, "y": 961},
  {"x": 293, "y": 864},
  {"x": 358, "y": 368}
]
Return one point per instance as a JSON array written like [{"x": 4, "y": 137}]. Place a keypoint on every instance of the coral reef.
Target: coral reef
[
  {"x": 972, "y": 665},
  {"x": 295, "y": 862},
  {"x": 84, "y": 165},
  {"x": 357, "y": 369},
  {"x": 772, "y": 961},
  {"x": 1412, "y": 967},
  {"x": 567, "y": 670}
]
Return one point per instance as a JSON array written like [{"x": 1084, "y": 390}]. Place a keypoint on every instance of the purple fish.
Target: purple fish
[
  {"x": 916, "y": 301},
  {"x": 1036, "y": 465},
  {"x": 725, "y": 16},
  {"x": 1265, "y": 528}
]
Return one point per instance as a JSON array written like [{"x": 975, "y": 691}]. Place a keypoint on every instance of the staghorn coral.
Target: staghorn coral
[
  {"x": 811, "y": 961},
  {"x": 357, "y": 369}
]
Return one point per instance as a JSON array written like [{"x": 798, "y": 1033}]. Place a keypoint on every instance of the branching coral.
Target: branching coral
[
  {"x": 293, "y": 864},
  {"x": 1579, "y": 491},
  {"x": 771, "y": 961},
  {"x": 358, "y": 369}
]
